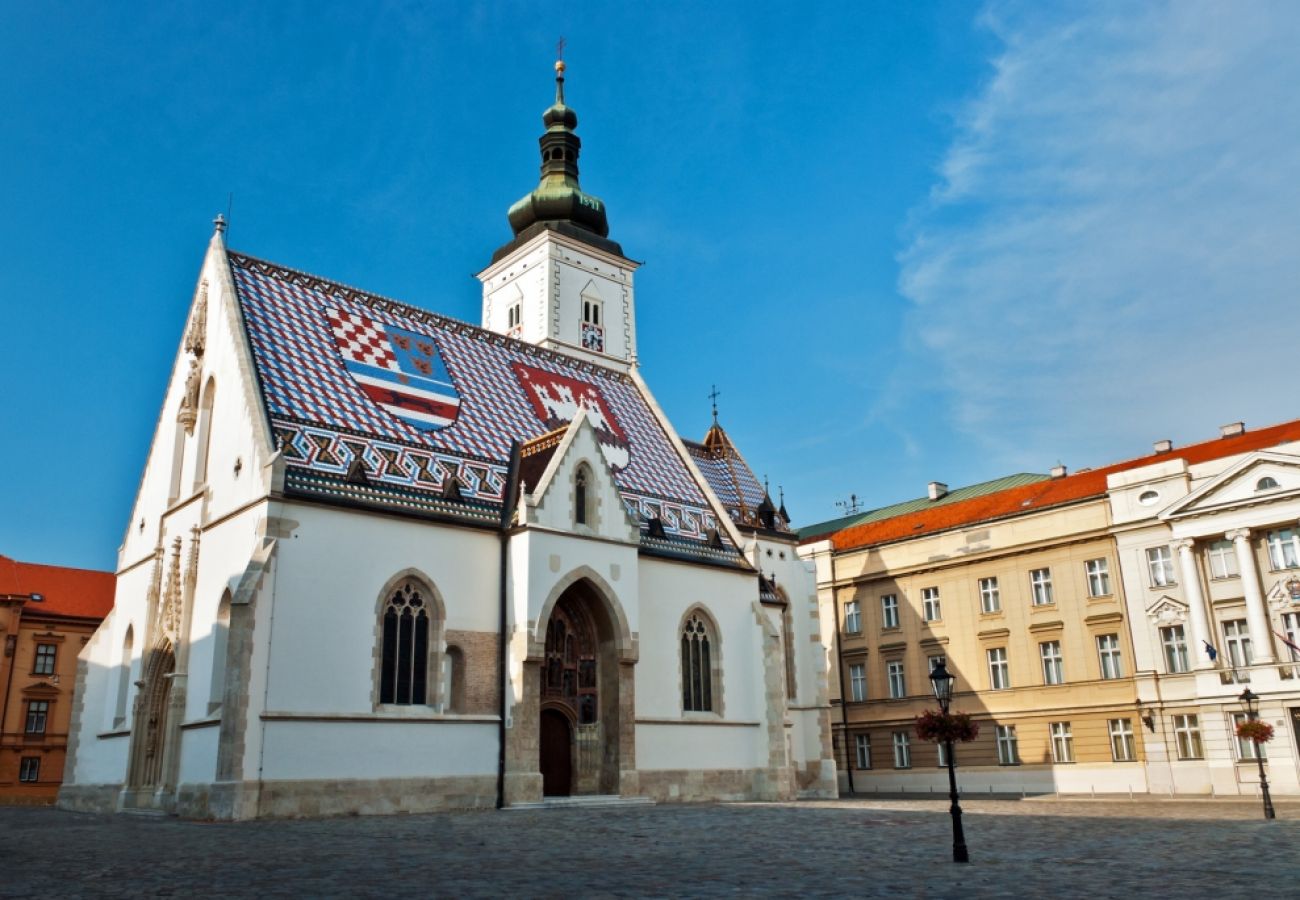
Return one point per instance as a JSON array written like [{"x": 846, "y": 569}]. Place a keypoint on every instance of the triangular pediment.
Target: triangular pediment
[
  {"x": 42, "y": 691},
  {"x": 1166, "y": 610},
  {"x": 1261, "y": 477},
  {"x": 579, "y": 457}
]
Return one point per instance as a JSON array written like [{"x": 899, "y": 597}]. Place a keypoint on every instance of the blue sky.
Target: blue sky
[{"x": 908, "y": 241}]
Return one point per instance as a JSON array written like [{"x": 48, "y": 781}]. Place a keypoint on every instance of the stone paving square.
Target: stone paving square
[{"x": 1031, "y": 848}]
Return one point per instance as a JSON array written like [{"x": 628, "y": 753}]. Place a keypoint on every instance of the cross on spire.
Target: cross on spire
[
  {"x": 559, "y": 48},
  {"x": 714, "y": 394}
]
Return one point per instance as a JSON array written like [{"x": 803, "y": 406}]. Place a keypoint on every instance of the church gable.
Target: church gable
[
  {"x": 406, "y": 400},
  {"x": 1258, "y": 478},
  {"x": 570, "y": 486}
]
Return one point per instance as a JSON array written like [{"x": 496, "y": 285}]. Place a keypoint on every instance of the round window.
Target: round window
[{"x": 1147, "y": 498}]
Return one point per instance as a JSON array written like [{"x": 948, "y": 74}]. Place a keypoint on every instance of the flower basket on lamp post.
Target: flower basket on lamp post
[
  {"x": 948, "y": 728},
  {"x": 1260, "y": 733}
]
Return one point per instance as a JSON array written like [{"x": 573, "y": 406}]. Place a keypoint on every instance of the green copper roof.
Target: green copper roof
[{"x": 888, "y": 512}]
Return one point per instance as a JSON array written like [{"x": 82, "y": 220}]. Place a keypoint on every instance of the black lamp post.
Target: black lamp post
[
  {"x": 1250, "y": 703},
  {"x": 942, "y": 680}
]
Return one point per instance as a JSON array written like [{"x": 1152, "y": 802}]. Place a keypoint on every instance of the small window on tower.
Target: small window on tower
[
  {"x": 514, "y": 319},
  {"x": 593, "y": 333}
]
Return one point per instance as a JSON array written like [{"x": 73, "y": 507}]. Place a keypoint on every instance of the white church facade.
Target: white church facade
[{"x": 381, "y": 560}]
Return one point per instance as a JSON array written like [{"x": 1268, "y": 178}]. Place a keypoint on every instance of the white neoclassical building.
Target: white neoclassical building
[
  {"x": 1208, "y": 539},
  {"x": 381, "y": 560}
]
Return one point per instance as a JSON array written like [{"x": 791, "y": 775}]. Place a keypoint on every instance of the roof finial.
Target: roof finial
[
  {"x": 714, "y": 394},
  {"x": 559, "y": 71},
  {"x": 220, "y": 223}
]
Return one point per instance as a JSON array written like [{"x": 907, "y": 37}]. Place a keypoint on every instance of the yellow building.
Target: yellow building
[{"x": 1015, "y": 585}]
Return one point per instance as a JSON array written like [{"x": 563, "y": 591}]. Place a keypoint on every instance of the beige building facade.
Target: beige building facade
[{"x": 1026, "y": 610}]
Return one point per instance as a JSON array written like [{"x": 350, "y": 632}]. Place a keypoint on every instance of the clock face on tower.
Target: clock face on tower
[{"x": 593, "y": 337}]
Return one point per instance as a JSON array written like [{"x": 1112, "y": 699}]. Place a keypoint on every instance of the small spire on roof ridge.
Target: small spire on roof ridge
[{"x": 219, "y": 223}]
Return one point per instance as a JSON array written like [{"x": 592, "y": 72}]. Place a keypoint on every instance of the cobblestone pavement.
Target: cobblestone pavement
[{"x": 860, "y": 847}]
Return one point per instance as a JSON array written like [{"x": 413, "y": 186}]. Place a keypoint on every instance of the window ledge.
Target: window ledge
[
  {"x": 120, "y": 732},
  {"x": 423, "y": 716},
  {"x": 703, "y": 719}
]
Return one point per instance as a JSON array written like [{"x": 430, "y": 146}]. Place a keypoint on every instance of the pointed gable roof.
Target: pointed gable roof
[
  {"x": 420, "y": 398},
  {"x": 732, "y": 480}
]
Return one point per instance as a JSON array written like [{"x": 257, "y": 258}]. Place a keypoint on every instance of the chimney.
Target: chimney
[
  {"x": 1058, "y": 471},
  {"x": 1163, "y": 446},
  {"x": 1232, "y": 429},
  {"x": 938, "y": 489}
]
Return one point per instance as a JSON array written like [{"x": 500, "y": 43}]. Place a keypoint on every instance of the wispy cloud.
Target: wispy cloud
[{"x": 1111, "y": 251}]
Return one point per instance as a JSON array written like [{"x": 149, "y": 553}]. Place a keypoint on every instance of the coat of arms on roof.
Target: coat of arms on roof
[
  {"x": 400, "y": 370},
  {"x": 556, "y": 399}
]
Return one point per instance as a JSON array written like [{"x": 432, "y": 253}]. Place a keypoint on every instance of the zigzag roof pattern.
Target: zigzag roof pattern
[{"x": 335, "y": 371}]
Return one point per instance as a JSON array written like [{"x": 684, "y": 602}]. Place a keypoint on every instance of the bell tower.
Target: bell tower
[{"x": 561, "y": 282}]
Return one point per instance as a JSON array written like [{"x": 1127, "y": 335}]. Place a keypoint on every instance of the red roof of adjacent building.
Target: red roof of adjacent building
[
  {"x": 86, "y": 593},
  {"x": 1054, "y": 492}
]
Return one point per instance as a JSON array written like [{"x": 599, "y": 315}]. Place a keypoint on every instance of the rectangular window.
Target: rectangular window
[
  {"x": 1236, "y": 638},
  {"x": 999, "y": 674},
  {"x": 1122, "y": 748},
  {"x": 990, "y": 597},
  {"x": 930, "y": 604},
  {"x": 44, "y": 664},
  {"x": 1187, "y": 735},
  {"x": 1008, "y": 748},
  {"x": 1246, "y": 748},
  {"x": 1284, "y": 548},
  {"x": 897, "y": 685},
  {"x": 852, "y": 617},
  {"x": 1223, "y": 560},
  {"x": 1053, "y": 666},
  {"x": 1108, "y": 652},
  {"x": 1098, "y": 571},
  {"x": 38, "y": 712},
  {"x": 1040, "y": 584},
  {"x": 902, "y": 750},
  {"x": 1160, "y": 566},
  {"x": 889, "y": 611},
  {"x": 29, "y": 769},
  {"x": 862, "y": 744},
  {"x": 936, "y": 660},
  {"x": 1291, "y": 628},
  {"x": 858, "y": 682},
  {"x": 1175, "y": 644},
  {"x": 1062, "y": 742}
]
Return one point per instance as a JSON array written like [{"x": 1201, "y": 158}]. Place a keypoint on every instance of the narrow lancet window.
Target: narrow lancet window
[{"x": 404, "y": 670}]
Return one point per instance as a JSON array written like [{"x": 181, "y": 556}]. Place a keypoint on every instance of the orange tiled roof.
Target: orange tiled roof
[
  {"x": 67, "y": 592},
  {"x": 1044, "y": 494}
]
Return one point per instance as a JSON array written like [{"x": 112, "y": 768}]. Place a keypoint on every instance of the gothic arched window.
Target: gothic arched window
[
  {"x": 220, "y": 640},
  {"x": 699, "y": 664},
  {"x": 581, "y": 483},
  {"x": 404, "y": 667},
  {"x": 204, "y": 443},
  {"x": 124, "y": 678}
]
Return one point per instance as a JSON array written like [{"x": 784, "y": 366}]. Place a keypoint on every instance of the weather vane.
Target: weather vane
[{"x": 851, "y": 506}]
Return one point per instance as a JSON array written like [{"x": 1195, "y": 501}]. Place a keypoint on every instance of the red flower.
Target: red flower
[
  {"x": 939, "y": 727},
  {"x": 1255, "y": 730}
]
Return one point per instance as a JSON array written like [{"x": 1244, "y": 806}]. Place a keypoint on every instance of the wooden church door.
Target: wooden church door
[{"x": 556, "y": 754}]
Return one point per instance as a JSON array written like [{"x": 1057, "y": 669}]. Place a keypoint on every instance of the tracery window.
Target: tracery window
[
  {"x": 404, "y": 670},
  {"x": 697, "y": 665},
  {"x": 581, "y": 495},
  {"x": 569, "y": 674}
]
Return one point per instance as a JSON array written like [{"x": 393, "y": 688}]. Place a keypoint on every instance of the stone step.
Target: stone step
[
  {"x": 589, "y": 801},
  {"x": 147, "y": 811}
]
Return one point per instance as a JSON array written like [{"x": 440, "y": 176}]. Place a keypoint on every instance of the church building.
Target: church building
[{"x": 385, "y": 561}]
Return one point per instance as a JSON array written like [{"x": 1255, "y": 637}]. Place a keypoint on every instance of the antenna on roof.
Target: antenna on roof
[{"x": 851, "y": 506}]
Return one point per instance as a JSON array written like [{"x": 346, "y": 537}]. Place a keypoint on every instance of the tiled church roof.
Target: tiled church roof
[
  {"x": 1052, "y": 492},
  {"x": 731, "y": 479},
  {"x": 491, "y": 391}
]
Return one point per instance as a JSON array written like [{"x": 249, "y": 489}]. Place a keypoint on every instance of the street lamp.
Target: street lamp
[
  {"x": 942, "y": 680},
  {"x": 1250, "y": 703}
]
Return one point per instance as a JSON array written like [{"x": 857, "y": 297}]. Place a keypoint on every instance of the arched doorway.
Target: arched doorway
[
  {"x": 149, "y": 734},
  {"x": 579, "y": 713}
]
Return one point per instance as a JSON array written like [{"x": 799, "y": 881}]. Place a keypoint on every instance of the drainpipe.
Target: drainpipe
[
  {"x": 839, "y": 669},
  {"x": 507, "y": 515}
]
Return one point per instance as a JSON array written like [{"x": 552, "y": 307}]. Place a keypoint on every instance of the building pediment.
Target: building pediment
[
  {"x": 1166, "y": 610},
  {"x": 1261, "y": 477}
]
